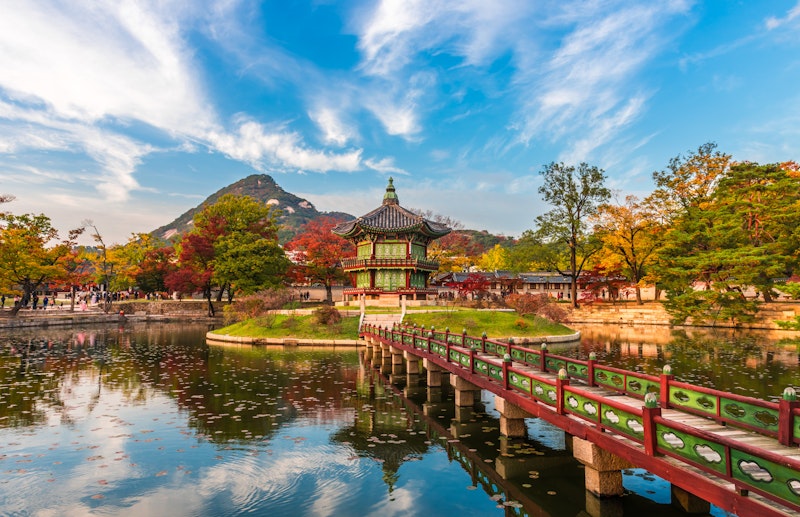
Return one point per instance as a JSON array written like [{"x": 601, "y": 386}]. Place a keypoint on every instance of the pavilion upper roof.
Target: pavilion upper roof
[{"x": 390, "y": 217}]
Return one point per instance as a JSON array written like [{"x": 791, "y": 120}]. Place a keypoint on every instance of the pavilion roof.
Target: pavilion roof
[{"x": 390, "y": 217}]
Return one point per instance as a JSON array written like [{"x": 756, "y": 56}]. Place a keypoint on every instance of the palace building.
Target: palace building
[{"x": 392, "y": 253}]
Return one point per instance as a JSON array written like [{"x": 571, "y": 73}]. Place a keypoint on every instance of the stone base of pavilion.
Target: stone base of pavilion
[{"x": 354, "y": 298}]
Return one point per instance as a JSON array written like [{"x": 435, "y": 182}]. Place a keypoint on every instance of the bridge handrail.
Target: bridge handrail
[
  {"x": 764, "y": 417},
  {"x": 761, "y": 416},
  {"x": 756, "y": 469}
]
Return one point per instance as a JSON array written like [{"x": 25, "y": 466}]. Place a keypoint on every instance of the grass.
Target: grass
[
  {"x": 278, "y": 326},
  {"x": 494, "y": 323}
]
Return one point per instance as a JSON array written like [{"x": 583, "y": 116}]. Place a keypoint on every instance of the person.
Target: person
[
  {"x": 45, "y": 302},
  {"x": 3, "y": 301},
  {"x": 35, "y": 301}
]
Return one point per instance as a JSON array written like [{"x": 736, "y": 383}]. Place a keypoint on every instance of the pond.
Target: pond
[{"x": 148, "y": 419}]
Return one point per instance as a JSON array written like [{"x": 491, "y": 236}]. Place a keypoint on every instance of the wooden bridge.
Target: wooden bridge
[{"x": 738, "y": 453}]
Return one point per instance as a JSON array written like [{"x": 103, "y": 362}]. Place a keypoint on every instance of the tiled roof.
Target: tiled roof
[{"x": 391, "y": 217}]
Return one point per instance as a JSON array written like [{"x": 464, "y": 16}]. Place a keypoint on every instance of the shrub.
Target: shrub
[
  {"x": 521, "y": 323},
  {"x": 538, "y": 304},
  {"x": 327, "y": 315},
  {"x": 256, "y": 305}
]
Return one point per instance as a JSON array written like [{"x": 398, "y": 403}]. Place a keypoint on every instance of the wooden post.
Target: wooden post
[
  {"x": 590, "y": 369},
  {"x": 666, "y": 378},
  {"x": 506, "y": 364},
  {"x": 786, "y": 407},
  {"x": 471, "y": 360},
  {"x": 483, "y": 342},
  {"x": 563, "y": 380},
  {"x": 649, "y": 412},
  {"x": 542, "y": 355}
]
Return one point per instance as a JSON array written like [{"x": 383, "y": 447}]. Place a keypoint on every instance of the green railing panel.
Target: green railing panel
[
  {"x": 495, "y": 372},
  {"x": 796, "y": 426},
  {"x": 517, "y": 354},
  {"x": 604, "y": 377},
  {"x": 473, "y": 342},
  {"x": 691, "y": 399},
  {"x": 749, "y": 414},
  {"x": 641, "y": 386},
  {"x": 532, "y": 358},
  {"x": 439, "y": 349},
  {"x": 624, "y": 422},
  {"x": 501, "y": 349},
  {"x": 553, "y": 365},
  {"x": 765, "y": 475},
  {"x": 491, "y": 348},
  {"x": 519, "y": 381},
  {"x": 696, "y": 450},
  {"x": 543, "y": 391},
  {"x": 579, "y": 370},
  {"x": 580, "y": 405},
  {"x": 481, "y": 367}
]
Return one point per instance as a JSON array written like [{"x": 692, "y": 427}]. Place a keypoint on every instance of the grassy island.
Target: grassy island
[{"x": 496, "y": 324}]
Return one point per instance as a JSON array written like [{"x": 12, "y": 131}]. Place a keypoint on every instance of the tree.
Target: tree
[
  {"x": 232, "y": 247},
  {"x": 631, "y": 234},
  {"x": 495, "y": 259},
  {"x": 154, "y": 268},
  {"x": 29, "y": 261},
  {"x": 691, "y": 261},
  {"x": 575, "y": 194},
  {"x": 318, "y": 253},
  {"x": 475, "y": 285}
]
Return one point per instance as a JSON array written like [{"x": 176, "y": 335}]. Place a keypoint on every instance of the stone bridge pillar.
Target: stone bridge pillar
[
  {"x": 398, "y": 362},
  {"x": 603, "y": 470},
  {"x": 386, "y": 359},
  {"x": 465, "y": 391},
  {"x": 412, "y": 363},
  {"x": 434, "y": 374},
  {"x": 512, "y": 418}
]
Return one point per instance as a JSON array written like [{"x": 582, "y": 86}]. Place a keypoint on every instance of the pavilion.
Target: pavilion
[{"x": 391, "y": 263}]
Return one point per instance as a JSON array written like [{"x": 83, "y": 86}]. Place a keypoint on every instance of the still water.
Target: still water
[{"x": 150, "y": 420}]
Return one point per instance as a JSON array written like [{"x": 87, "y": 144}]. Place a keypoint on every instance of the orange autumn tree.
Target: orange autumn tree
[{"x": 317, "y": 253}]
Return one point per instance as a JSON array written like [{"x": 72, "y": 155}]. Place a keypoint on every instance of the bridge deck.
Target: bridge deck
[{"x": 744, "y": 471}]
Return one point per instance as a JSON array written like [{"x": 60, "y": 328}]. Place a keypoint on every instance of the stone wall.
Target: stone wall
[{"x": 653, "y": 313}]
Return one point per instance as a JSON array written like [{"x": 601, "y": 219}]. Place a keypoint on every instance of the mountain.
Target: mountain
[{"x": 295, "y": 211}]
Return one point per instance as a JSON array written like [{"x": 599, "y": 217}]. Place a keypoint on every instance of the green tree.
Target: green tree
[
  {"x": 575, "y": 194},
  {"x": 29, "y": 257},
  {"x": 232, "y": 247},
  {"x": 691, "y": 263}
]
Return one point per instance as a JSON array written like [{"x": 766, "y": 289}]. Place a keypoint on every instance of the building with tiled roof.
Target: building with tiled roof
[{"x": 392, "y": 252}]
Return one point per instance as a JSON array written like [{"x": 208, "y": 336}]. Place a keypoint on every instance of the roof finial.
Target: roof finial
[{"x": 390, "y": 198}]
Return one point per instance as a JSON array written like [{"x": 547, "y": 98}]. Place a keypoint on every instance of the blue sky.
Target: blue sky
[{"x": 128, "y": 113}]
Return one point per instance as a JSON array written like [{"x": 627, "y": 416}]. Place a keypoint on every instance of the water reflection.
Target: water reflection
[
  {"x": 150, "y": 420},
  {"x": 753, "y": 363}
]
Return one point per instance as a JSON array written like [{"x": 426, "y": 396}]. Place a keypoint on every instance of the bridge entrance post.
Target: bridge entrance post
[
  {"x": 603, "y": 469},
  {"x": 512, "y": 418}
]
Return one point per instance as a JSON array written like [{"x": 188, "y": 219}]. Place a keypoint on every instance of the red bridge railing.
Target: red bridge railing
[{"x": 768, "y": 473}]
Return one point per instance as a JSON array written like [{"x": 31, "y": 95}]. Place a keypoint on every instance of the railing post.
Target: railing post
[
  {"x": 506, "y": 364},
  {"x": 786, "y": 407},
  {"x": 542, "y": 360},
  {"x": 649, "y": 412},
  {"x": 563, "y": 380},
  {"x": 430, "y": 336},
  {"x": 464, "y": 337},
  {"x": 590, "y": 369},
  {"x": 666, "y": 378},
  {"x": 447, "y": 335},
  {"x": 471, "y": 360},
  {"x": 483, "y": 342}
]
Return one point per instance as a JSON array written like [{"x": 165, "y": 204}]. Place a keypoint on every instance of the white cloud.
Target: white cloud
[
  {"x": 385, "y": 166},
  {"x": 254, "y": 144},
  {"x": 773, "y": 22},
  {"x": 333, "y": 129}
]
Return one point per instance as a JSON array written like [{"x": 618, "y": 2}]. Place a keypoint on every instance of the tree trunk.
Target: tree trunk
[
  {"x": 207, "y": 293},
  {"x": 328, "y": 294},
  {"x": 639, "y": 295}
]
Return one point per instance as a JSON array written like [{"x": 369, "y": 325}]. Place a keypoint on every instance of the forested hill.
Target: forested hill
[{"x": 295, "y": 211}]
